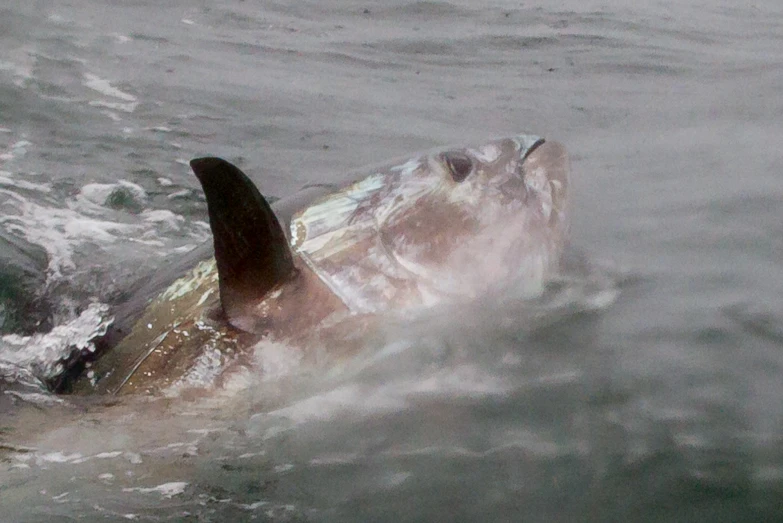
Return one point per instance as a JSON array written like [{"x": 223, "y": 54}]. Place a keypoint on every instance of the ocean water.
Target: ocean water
[{"x": 652, "y": 395}]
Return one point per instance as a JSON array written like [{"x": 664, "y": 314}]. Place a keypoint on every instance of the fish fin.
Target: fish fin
[{"x": 251, "y": 249}]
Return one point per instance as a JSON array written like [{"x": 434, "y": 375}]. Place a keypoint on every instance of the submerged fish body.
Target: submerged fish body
[{"x": 445, "y": 226}]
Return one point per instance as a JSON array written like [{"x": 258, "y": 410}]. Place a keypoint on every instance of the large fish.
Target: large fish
[{"x": 313, "y": 271}]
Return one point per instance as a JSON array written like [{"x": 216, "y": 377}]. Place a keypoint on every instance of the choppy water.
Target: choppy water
[{"x": 663, "y": 406}]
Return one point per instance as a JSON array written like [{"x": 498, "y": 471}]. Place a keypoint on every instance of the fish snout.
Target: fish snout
[{"x": 547, "y": 163}]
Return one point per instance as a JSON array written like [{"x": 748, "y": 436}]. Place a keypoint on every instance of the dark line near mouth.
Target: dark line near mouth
[{"x": 533, "y": 147}]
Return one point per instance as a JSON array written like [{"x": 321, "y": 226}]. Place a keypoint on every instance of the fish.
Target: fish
[{"x": 317, "y": 270}]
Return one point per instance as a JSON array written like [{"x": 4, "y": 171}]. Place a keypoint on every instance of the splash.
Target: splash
[{"x": 43, "y": 354}]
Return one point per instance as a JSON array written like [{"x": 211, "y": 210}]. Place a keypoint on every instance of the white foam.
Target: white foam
[
  {"x": 466, "y": 381},
  {"x": 16, "y": 150},
  {"x": 165, "y": 218},
  {"x": 131, "y": 457},
  {"x": 98, "y": 193},
  {"x": 62, "y": 230},
  {"x": 109, "y": 455},
  {"x": 95, "y": 230},
  {"x": 121, "y": 39},
  {"x": 112, "y": 115},
  {"x": 119, "y": 106},
  {"x": 393, "y": 395},
  {"x": 44, "y": 351},
  {"x": 184, "y": 193},
  {"x": 21, "y": 184},
  {"x": 184, "y": 248},
  {"x": 56, "y": 457},
  {"x": 166, "y": 490},
  {"x": 335, "y": 459},
  {"x": 277, "y": 359},
  {"x": 34, "y": 398},
  {"x": 102, "y": 86},
  {"x": 253, "y": 506},
  {"x": 345, "y": 398},
  {"x": 395, "y": 479}
]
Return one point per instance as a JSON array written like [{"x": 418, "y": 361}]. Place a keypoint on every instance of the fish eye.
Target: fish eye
[{"x": 460, "y": 165}]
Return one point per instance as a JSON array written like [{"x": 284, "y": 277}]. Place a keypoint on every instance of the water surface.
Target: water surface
[{"x": 662, "y": 406}]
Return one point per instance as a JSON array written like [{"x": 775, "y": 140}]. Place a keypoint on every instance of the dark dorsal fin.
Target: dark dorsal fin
[{"x": 251, "y": 250}]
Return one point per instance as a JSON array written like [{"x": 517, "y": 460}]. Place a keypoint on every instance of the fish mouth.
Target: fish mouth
[
  {"x": 549, "y": 160},
  {"x": 530, "y": 149}
]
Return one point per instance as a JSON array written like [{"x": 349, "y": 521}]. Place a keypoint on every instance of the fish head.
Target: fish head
[{"x": 447, "y": 224}]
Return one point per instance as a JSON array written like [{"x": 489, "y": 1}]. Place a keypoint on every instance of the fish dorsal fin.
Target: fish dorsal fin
[{"x": 251, "y": 249}]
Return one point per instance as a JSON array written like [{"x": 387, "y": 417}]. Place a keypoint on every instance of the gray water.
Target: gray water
[{"x": 663, "y": 404}]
